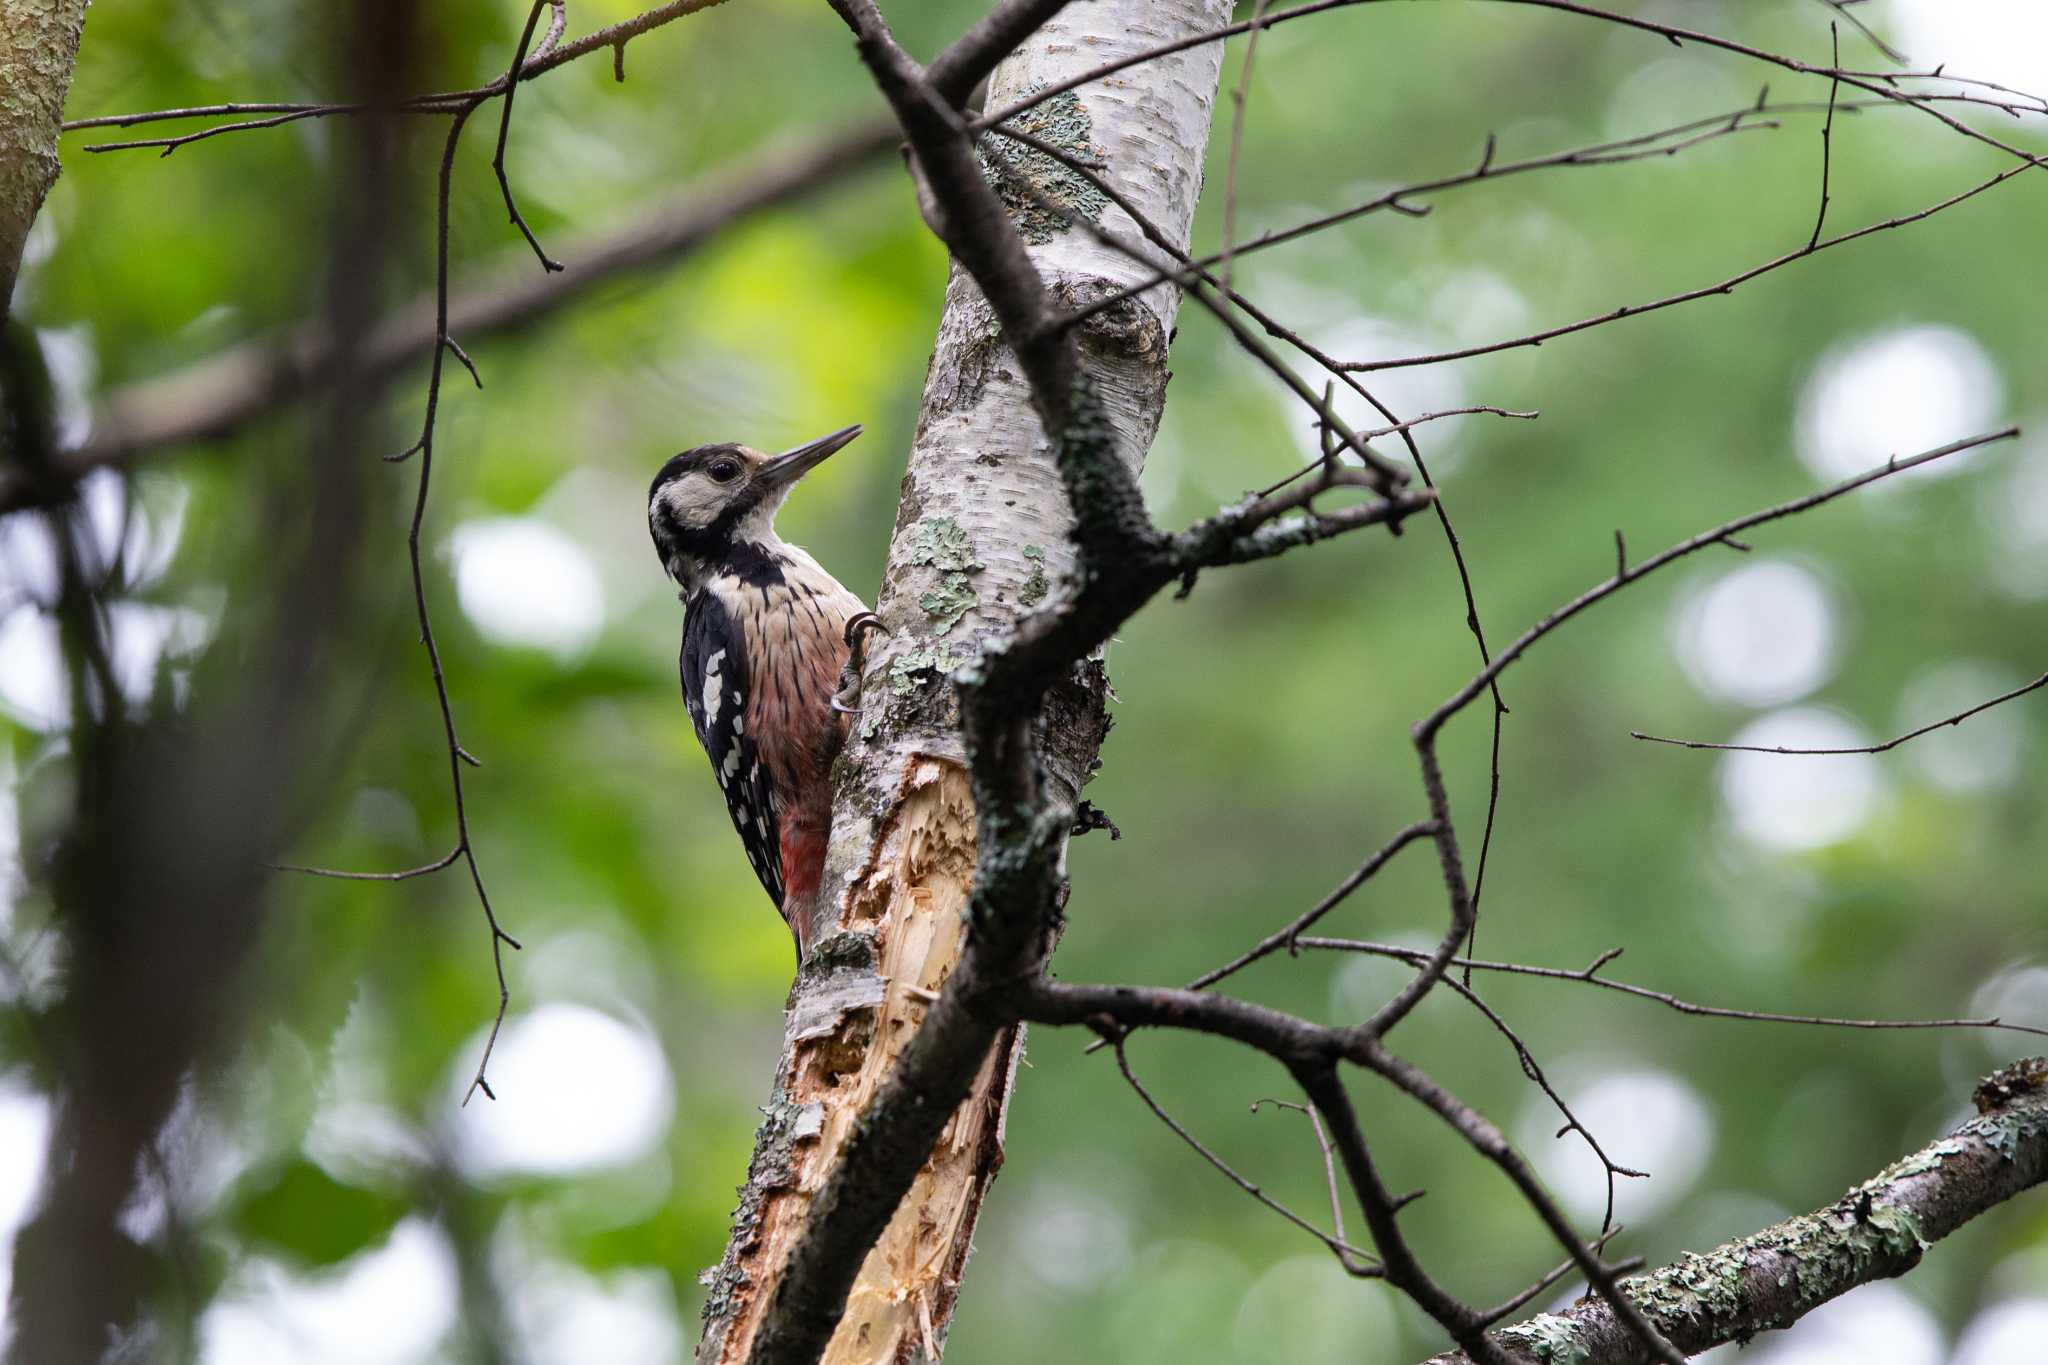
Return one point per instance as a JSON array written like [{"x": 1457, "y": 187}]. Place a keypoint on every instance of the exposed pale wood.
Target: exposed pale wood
[{"x": 903, "y": 916}]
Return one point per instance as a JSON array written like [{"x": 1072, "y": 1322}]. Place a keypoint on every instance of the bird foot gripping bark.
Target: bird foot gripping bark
[{"x": 846, "y": 701}]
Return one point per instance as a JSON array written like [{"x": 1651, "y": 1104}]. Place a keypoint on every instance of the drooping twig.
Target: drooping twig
[
  {"x": 464, "y": 849},
  {"x": 511, "y": 83}
]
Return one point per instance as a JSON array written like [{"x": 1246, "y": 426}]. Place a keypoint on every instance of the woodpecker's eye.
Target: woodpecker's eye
[{"x": 724, "y": 471}]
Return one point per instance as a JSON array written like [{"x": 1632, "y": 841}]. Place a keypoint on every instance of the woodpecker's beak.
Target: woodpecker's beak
[{"x": 791, "y": 465}]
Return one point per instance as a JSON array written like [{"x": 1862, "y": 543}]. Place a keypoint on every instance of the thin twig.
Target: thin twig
[
  {"x": 465, "y": 847},
  {"x": 1329, "y": 1160},
  {"x": 1888, "y": 745},
  {"x": 1291, "y": 934},
  {"x": 1842, "y": 8},
  {"x": 1238, "y": 99},
  {"x": 1692, "y": 133},
  {"x": 1718, "y": 535},
  {"x": 1355, "y": 1261},
  {"x": 1827, "y": 129},
  {"x": 1724, "y": 286},
  {"x": 1590, "y": 976},
  {"x": 405, "y": 874},
  {"x": 1562, "y": 1269},
  {"x": 511, "y": 84}
]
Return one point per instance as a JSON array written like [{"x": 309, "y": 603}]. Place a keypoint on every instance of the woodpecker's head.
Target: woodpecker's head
[{"x": 709, "y": 501}]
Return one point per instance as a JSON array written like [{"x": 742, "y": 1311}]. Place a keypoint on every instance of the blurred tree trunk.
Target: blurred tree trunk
[
  {"x": 980, "y": 539},
  {"x": 38, "y": 49},
  {"x": 158, "y": 876}
]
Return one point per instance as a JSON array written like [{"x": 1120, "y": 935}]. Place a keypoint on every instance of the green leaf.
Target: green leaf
[{"x": 313, "y": 1218}]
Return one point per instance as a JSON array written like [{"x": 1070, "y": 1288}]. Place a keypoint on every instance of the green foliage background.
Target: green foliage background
[{"x": 1261, "y": 740}]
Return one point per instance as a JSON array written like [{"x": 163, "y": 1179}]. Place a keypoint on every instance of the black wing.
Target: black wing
[{"x": 715, "y": 684}]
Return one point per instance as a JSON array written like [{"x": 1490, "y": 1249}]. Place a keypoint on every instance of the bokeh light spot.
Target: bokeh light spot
[
  {"x": 577, "y": 1089},
  {"x": 1793, "y": 802},
  {"x": 390, "y": 1305},
  {"x": 1646, "y": 1119},
  {"x": 1897, "y": 393},
  {"x": 2005, "y": 1333},
  {"x": 522, "y": 582},
  {"x": 1993, "y": 40},
  {"x": 1983, "y": 752},
  {"x": 1760, "y": 635},
  {"x": 1878, "y": 1324},
  {"x": 1307, "y": 1311}
]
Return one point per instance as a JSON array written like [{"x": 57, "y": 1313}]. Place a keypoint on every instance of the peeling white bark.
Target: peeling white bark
[
  {"x": 38, "y": 50},
  {"x": 981, "y": 538}
]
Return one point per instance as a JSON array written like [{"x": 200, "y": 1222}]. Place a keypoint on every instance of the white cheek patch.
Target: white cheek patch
[{"x": 694, "y": 513}]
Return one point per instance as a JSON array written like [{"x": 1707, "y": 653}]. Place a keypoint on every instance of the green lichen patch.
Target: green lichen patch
[
  {"x": 942, "y": 543},
  {"x": 907, "y": 670},
  {"x": 950, "y": 601},
  {"x": 1061, "y": 122},
  {"x": 1551, "y": 1338},
  {"x": 2003, "y": 1129},
  {"x": 1036, "y": 586}
]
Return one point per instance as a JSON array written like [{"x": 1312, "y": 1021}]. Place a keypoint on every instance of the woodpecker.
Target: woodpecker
[{"x": 765, "y": 636}]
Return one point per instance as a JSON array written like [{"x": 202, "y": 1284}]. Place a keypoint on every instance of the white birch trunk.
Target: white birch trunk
[{"x": 981, "y": 538}]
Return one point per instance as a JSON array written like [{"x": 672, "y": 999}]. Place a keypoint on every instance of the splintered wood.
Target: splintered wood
[{"x": 912, "y": 898}]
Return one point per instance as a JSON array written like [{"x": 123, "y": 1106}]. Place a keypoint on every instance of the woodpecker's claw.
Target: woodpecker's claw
[{"x": 857, "y": 627}]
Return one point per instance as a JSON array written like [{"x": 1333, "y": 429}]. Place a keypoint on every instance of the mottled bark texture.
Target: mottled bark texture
[
  {"x": 38, "y": 49},
  {"x": 1775, "y": 1277},
  {"x": 981, "y": 538}
]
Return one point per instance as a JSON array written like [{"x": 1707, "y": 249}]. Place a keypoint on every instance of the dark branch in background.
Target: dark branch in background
[
  {"x": 1890, "y": 744},
  {"x": 215, "y": 398},
  {"x": 156, "y": 877},
  {"x": 613, "y": 36}
]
